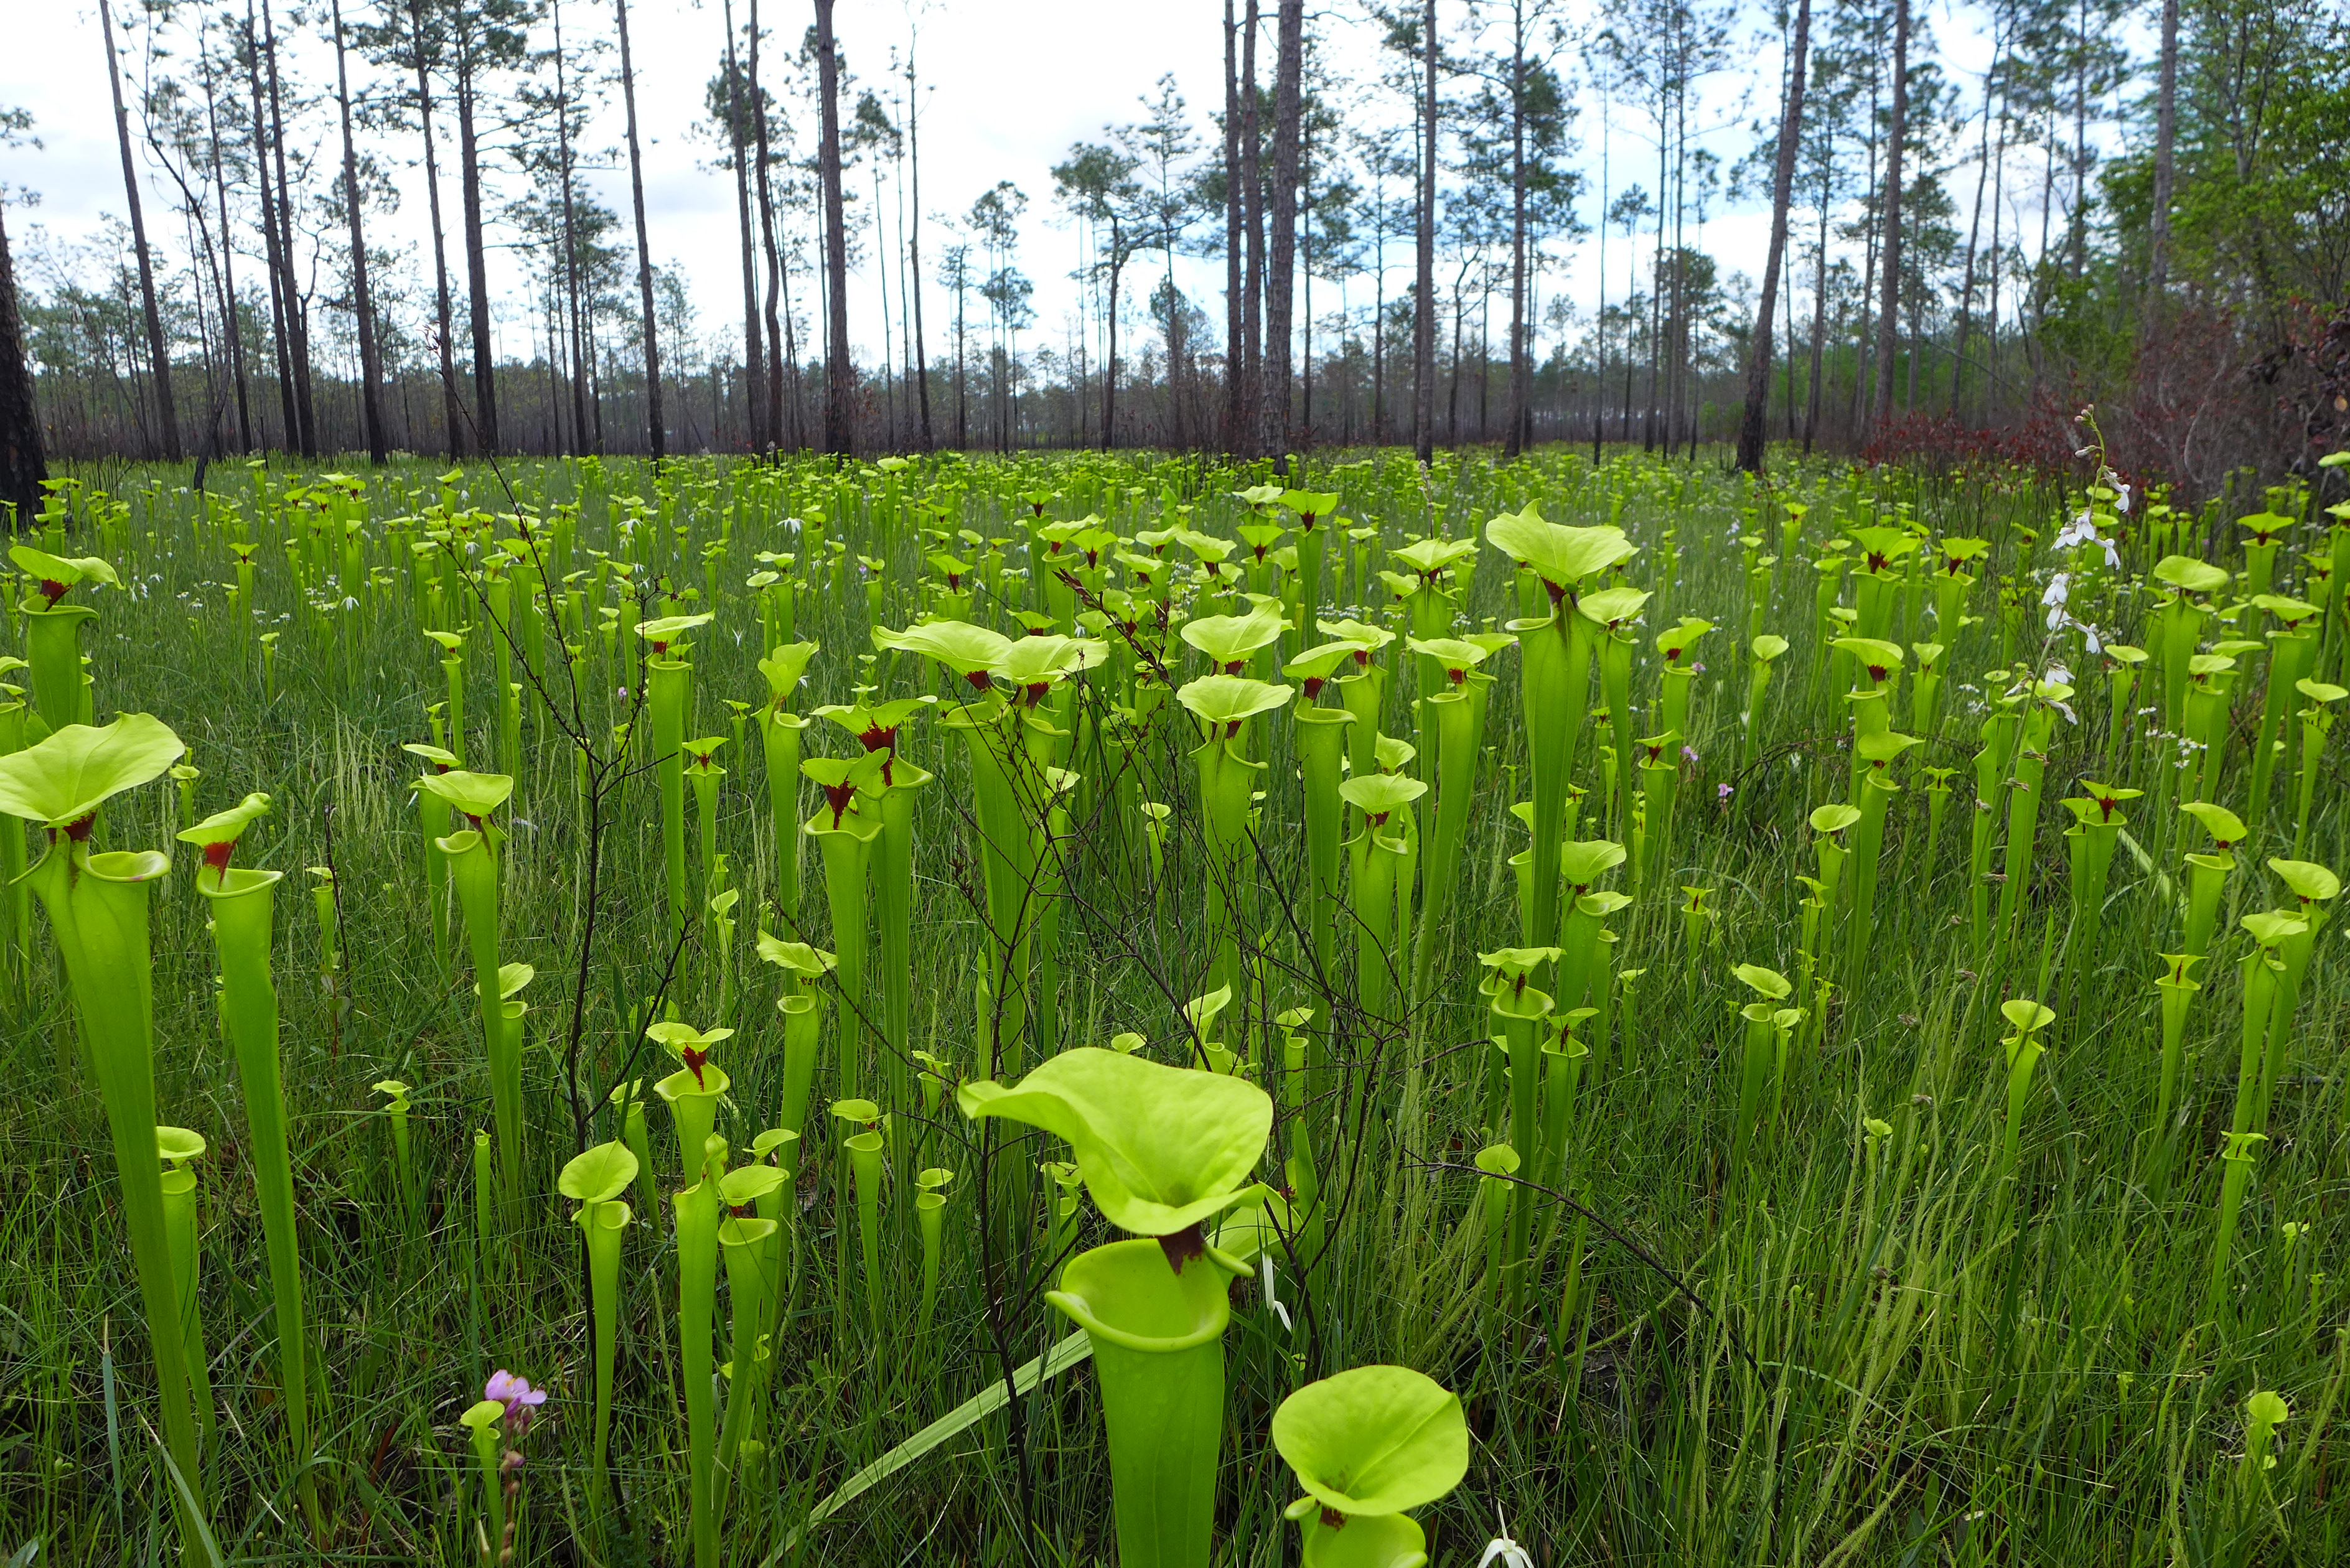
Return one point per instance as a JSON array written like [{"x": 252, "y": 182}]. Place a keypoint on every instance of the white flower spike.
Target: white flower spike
[
  {"x": 1270, "y": 1299},
  {"x": 1502, "y": 1549}
]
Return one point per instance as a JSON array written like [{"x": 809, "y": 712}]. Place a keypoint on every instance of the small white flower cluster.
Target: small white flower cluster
[{"x": 2059, "y": 591}]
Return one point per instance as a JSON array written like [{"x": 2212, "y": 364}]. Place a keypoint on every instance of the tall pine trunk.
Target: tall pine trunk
[
  {"x": 362, "y": 307},
  {"x": 576, "y": 323},
  {"x": 298, "y": 320},
  {"x": 839, "y": 374},
  {"x": 1423, "y": 319},
  {"x": 1109, "y": 364},
  {"x": 754, "y": 375},
  {"x": 780, "y": 350},
  {"x": 2165, "y": 137},
  {"x": 1782, "y": 190},
  {"x": 274, "y": 259},
  {"x": 1234, "y": 306},
  {"x": 234, "y": 327},
  {"x": 1253, "y": 215},
  {"x": 477, "y": 266},
  {"x": 158, "y": 353},
  {"x": 452, "y": 409},
  {"x": 1521, "y": 381},
  {"x": 1888, "y": 319},
  {"x": 1281, "y": 279},
  {"x": 914, "y": 247},
  {"x": 654, "y": 423}
]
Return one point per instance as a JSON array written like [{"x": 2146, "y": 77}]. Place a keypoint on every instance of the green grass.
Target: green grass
[{"x": 1831, "y": 1357}]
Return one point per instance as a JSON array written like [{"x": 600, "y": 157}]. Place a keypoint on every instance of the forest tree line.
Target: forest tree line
[{"x": 1956, "y": 261}]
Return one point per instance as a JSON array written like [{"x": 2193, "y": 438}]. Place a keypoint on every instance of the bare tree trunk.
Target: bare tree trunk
[
  {"x": 2166, "y": 136},
  {"x": 234, "y": 326},
  {"x": 159, "y": 353},
  {"x": 277, "y": 263},
  {"x": 1280, "y": 280},
  {"x": 576, "y": 323},
  {"x": 477, "y": 271},
  {"x": 782, "y": 350},
  {"x": 23, "y": 463},
  {"x": 1423, "y": 321},
  {"x": 755, "y": 381},
  {"x": 1235, "y": 307},
  {"x": 1109, "y": 364},
  {"x": 1812, "y": 390},
  {"x": 656, "y": 426},
  {"x": 1992, "y": 107},
  {"x": 1521, "y": 382},
  {"x": 1888, "y": 320},
  {"x": 1252, "y": 215},
  {"x": 914, "y": 247},
  {"x": 1782, "y": 190},
  {"x": 297, "y": 320},
  {"x": 839, "y": 374},
  {"x": 452, "y": 410},
  {"x": 362, "y": 307}
]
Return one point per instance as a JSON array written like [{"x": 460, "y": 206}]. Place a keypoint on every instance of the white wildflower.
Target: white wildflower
[
  {"x": 1502, "y": 1549},
  {"x": 1271, "y": 1300}
]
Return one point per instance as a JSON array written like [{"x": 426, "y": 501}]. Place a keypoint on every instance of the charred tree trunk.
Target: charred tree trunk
[{"x": 23, "y": 463}]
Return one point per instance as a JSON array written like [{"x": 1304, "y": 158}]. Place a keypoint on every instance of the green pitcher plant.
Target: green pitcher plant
[
  {"x": 1161, "y": 1150},
  {"x": 1556, "y": 677},
  {"x": 240, "y": 901},
  {"x": 472, "y": 857},
  {"x": 669, "y": 701},
  {"x": 1759, "y": 1056},
  {"x": 97, "y": 905},
  {"x": 53, "y": 632},
  {"x": 694, "y": 1091},
  {"x": 594, "y": 1180},
  {"x": 1369, "y": 1445},
  {"x": 178, "y": 1149},
  {"x": 779, "y": 738},
  {"x": 1222, "y": 704}
]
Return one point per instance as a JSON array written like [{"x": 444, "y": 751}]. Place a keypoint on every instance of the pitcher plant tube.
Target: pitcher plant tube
[
  {"x": 1161, "y": 1150},
  {"x": 240, "y": 901},
  {"x": 97, "y": 905},
  {"x": 1369, "y": 1445}
]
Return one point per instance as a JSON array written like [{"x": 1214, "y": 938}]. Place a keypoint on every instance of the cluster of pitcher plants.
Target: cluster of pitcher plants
[{"x": 1483, "y": 1009}]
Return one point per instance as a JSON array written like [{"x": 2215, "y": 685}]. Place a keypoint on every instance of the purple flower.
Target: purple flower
[
  {"x": 1688, "y": 756},
  {"x": 517, "y": 1395},
  {"x": 1724, "y": 791}
]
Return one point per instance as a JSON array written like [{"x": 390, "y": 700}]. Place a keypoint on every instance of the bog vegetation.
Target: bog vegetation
[{"x": 1114, "y": 1008}]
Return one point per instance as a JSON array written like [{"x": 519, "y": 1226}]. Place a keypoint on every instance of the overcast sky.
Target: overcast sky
[{"x": 1007, "y": 89}]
